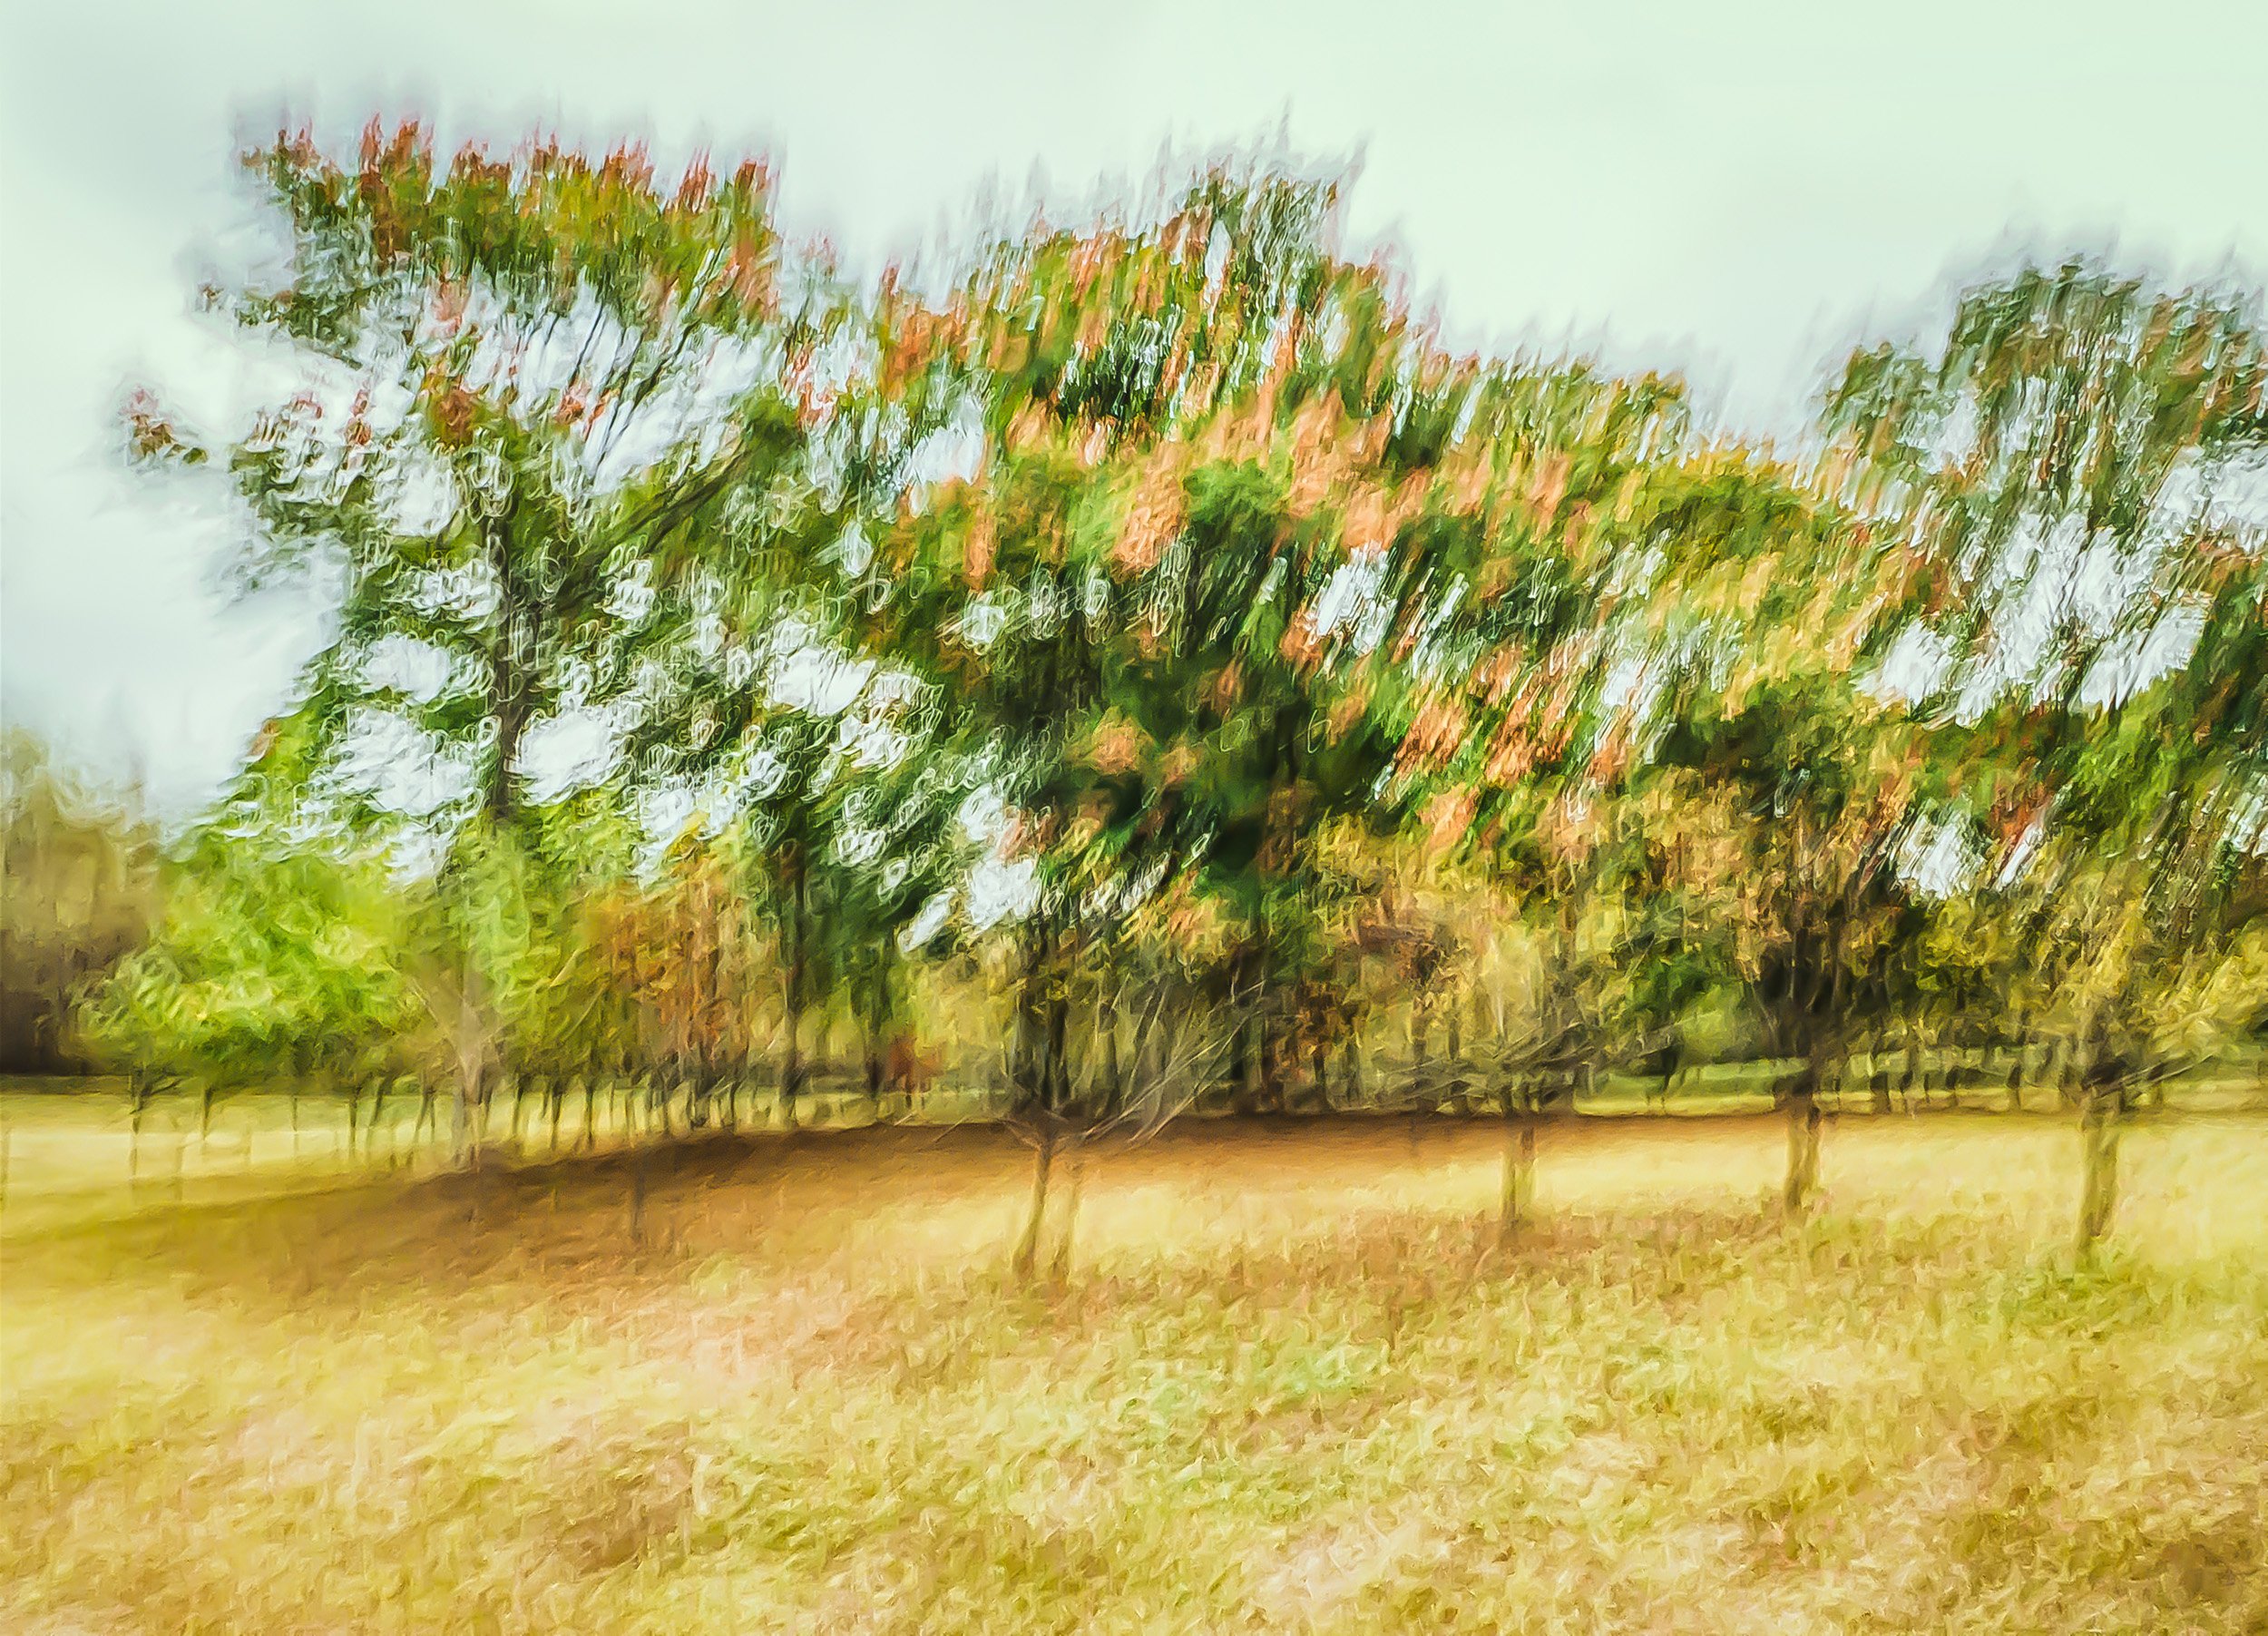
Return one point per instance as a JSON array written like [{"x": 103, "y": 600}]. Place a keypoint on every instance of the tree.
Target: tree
[
  {"x": 533, "y": 387},
  {"x": 2093, "y": 612},
  {"x": 529, "y": 381},
  {"x": 1779, "y": 786},
  {"x": 81, "y": 893},
  {"x": 275, "y": 960}
]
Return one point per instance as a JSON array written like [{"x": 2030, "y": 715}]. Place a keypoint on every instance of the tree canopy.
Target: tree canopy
[{"x": 1154, "y": 626}]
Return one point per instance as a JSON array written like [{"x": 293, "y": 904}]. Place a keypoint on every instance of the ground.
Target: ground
[{"x": 1288, "y": 1383}]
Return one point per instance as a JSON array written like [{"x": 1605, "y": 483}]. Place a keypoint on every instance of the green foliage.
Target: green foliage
[
  {"x": 78, "y": 892},
  {"x": 1156, "y": 614},
  {"x": 273, "y": 961}
]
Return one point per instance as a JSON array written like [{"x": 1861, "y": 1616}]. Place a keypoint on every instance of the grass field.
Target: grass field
[{"x": 1289, "y": 1384}]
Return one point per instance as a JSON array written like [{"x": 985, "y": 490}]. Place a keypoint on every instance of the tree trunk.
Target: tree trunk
[
  {"x": 1456, "y": 1058},
  {"x": 1028, "y": 1246},
  {"x": 1029, "y": 1072},
  {"x": 1240, "y": 1077},
  {"x": 1520, "y": 1168},
  {"x": 1272, "y": 1056},
  {"x": 1058, "y": 1064},
  {"x": 1803, "y": 1120},
  {"x": 463, "y": 1140},
  {"x": 1061, "y": 1272},
  {"x": 791, "y": 1061},
  {"x": 141, "y": 1105},
  {"x": 2098, "y": 1194},
  {"x": 1107, "y": 1026},
  {"x": 637, "y": 1192},
  {"x": 508, "y": 662},
  {"x": 2104, "y": 1085}
]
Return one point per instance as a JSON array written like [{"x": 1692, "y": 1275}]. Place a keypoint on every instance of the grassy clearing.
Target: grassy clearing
[{"x": 1287, "y": 1387}]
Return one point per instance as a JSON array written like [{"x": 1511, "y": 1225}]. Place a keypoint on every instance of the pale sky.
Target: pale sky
[{"x": 1736, "y": 190}]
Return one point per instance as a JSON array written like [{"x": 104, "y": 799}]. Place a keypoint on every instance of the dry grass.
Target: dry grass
[{"x": 1287, "y": 1388}]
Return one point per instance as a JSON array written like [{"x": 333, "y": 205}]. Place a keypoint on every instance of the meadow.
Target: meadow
[{"x": 1289, "y": 1380}]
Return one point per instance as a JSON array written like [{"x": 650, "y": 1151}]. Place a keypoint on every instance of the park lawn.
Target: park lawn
[{"x": 1289, "y": 1384}]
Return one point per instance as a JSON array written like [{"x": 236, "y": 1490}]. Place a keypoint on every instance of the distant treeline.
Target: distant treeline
[{"x": 78, "y": 892}]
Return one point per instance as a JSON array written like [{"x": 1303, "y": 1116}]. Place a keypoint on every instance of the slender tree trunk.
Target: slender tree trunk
[
  {"x": 1061, "y": 1272},
  {"x": 1271, "y": 1057},
  {"x": 1913, "y": 1060},
  {"x": 2099, "y": 1193},
  {"x": 637, "y": 1192},
  {"x": 139, "y": 1106},
  {"x": 1456, "y": 1059},
  {"x": 1028, "y": 1246},
  {"x": 1107, "y": 1026},
  {"x": 508, "y": 662},
  {"x": 1803, "y": 1120},
  {"x": 2014, "y": 1083},
  {"x": 464, "y": 1146},
  {"x": 1059, "y": 1070},
  {"x": 1240, "y": 1066},
  {"x": 589, "y": 1114},
  {"x": 1027, "y": 1071},
  {"x": 1519, "y": 1166},
  {"x": 791, "y": 1064},
  {"x": 2104, "y": 1085}
]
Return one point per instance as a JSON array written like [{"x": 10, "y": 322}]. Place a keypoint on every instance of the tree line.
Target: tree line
[{"x": 1141, "y": 660}]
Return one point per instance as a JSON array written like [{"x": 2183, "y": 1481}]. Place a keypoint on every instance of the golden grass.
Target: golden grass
[{"x": 1289, "y": 1385}]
